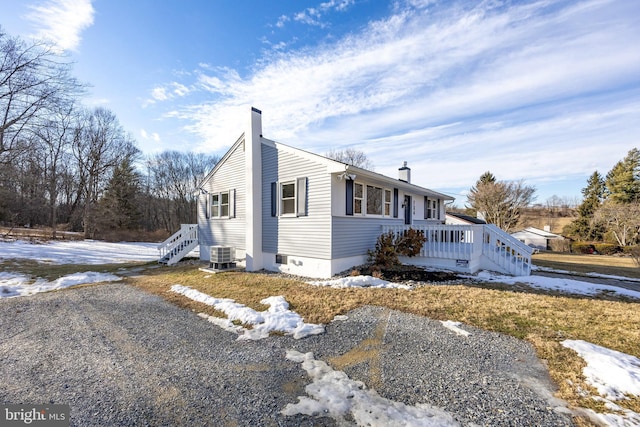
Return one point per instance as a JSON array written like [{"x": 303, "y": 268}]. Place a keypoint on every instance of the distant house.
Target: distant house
[
  {"x": 455, "y": 218},
  {"x": 275, "y": 207},
  {"x": 536, "y": 238}
]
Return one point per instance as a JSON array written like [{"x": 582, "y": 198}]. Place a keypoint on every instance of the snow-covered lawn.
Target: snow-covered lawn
[
  {"x": 91, "y": 252},
  {"x": 79, "y": 252}
]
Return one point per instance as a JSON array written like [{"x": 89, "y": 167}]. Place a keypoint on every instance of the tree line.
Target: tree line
[
  {"x": 65, "y": 165},
  {"x": 610, "y": 210}
]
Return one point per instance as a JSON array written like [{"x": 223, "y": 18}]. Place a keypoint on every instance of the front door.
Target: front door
[{"x": 407, "y": 210}]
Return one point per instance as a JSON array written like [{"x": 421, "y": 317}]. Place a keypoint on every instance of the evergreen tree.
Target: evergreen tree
[
  {"x": 623, "y": 181},
  {"x": 584, "y": 227},
  {"x": 119, "y": 207}
]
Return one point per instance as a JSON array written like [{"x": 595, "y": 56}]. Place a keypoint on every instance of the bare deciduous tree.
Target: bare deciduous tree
[
  {"x": 173, "y": 180},
  {"x": 500, "y": 202},
  {"x": 55, "y": 136},
  {"x": 33, "y": 81},
  {"x": 352, "y": 157},
  {"x": 622, "y": 221}
]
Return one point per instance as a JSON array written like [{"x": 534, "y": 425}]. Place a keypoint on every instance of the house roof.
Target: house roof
[
  {"x": 334, "y": 166},
  {"x": 538, "y": 232},
  {"x": 468, "y": 218}
]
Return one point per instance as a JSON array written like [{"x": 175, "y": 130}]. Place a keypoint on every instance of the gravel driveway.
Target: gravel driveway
[{"x": 120, "y": 356}]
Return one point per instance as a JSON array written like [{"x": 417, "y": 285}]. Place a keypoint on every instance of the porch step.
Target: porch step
[{"x": 179, "y": 244}]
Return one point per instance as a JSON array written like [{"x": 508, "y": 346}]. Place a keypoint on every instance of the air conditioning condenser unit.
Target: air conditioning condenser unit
[{"x": 222, "y": 257}]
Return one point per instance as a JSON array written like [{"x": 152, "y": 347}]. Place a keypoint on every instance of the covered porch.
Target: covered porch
[{"x": 469, "y": 249}]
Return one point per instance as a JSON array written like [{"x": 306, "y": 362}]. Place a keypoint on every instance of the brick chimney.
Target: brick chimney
[{"x": 404, "y": 173}]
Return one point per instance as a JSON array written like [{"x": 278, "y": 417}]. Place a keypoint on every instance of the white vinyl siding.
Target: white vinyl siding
[
  {"x": 225, "y": 223},
  {"x": 306, "y": 233}
]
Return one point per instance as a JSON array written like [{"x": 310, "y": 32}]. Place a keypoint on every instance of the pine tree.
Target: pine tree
[
  {"x": 119, "y": 208},
  {"x": 584, "y": 227},
  {"x": 623, "y": 181}
]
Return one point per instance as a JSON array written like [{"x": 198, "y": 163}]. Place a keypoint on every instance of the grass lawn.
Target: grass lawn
[{"x": 579, "y": 263}]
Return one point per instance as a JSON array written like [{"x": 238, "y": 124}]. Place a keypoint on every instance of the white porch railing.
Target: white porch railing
[
  {"x": 179, "y": 244},
  {"x": 507, "y": 252},
  {"x": 470, "y": 248}
]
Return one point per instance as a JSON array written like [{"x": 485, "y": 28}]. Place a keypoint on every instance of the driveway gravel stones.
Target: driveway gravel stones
[{"x": 120, "y": 356}]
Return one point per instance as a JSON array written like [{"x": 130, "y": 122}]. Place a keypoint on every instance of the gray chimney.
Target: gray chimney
[{"x": 404, "y": 173}]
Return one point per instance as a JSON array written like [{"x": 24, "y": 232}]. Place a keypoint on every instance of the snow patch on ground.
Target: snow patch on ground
[
  {"x": 557, "y": 284},
  {"x": 358, "y": 282},
  {"x": 277, "y": 318},
  {"x": 596, "y": 275},
  {"x": 18, "y": 285},
  {"x": 334, "y": 394},
  {"x": 455, "y": 327},
  {"x": 614, "y": 375}
]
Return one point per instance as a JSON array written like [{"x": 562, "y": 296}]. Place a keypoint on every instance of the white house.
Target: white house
[
  {"x": 285, "y": 209},
  {"x": 536, "y": 238}
]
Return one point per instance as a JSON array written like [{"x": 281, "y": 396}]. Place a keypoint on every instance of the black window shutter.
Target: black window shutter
[
  {"x": 395, "y": 203},
  {"x": 274, "y": 198},
  {"x": 349, "y": 197}
]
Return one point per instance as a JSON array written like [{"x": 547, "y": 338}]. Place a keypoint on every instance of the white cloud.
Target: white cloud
[
  {"x": 154, "y": 136},
  {"x": 62, "y": 21},
  {"x": 314, "y": 15},
  {"x": 534, "y": 89},
  {"x": 167, "y": 92}
]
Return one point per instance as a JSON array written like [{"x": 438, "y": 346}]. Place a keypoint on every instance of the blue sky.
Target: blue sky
[{"x": 544, "y": 91}]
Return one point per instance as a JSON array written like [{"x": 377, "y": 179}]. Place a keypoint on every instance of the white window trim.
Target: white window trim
[
  {"x": 363, "y": 204},
  {"x": 219, "y": 205},
  {"x": 299, "y": 197},
  {"x": 294, "y": 198},
  {"x": 432, "y": 213}
]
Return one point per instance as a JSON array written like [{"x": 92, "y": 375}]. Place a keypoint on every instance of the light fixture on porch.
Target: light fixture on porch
[{"x": 345, "y": 175}]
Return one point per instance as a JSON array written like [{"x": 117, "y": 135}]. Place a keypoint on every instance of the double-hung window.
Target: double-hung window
[
  {"x": 288, "y": 198},
  {"x": 431, "y": 209},
  {"x": 221, "y": 204}
]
